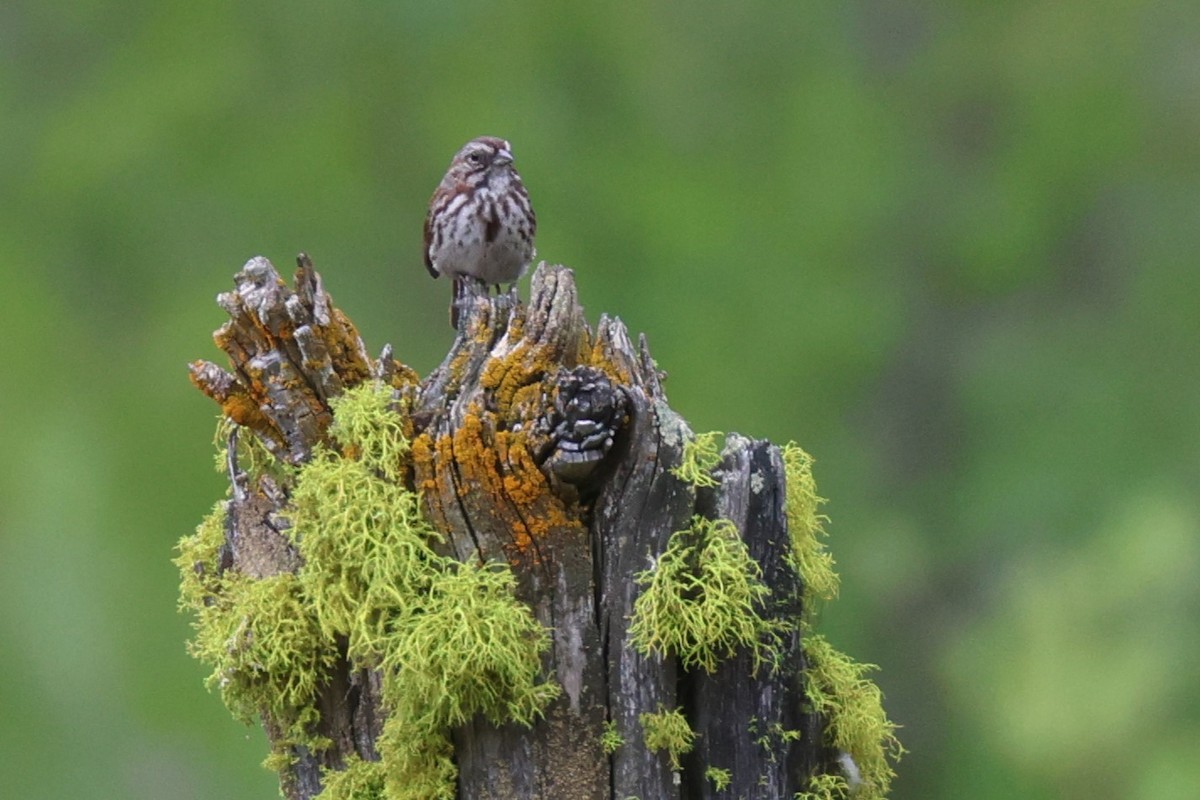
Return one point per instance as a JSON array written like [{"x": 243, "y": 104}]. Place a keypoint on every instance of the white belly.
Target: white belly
[{"x": 463, "y": 249}]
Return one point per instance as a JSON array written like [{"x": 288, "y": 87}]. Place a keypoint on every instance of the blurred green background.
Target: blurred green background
[{"x": 948, "y": 248}]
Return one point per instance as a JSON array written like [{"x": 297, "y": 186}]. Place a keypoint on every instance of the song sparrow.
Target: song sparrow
[{"x": 480, "y": 224}]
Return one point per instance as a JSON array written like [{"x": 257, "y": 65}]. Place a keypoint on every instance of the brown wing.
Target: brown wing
[
  {"x": 429, "y": 237},
  {"x": 528, "y": 205}
]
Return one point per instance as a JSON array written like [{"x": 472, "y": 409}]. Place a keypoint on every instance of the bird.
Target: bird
[{"x": 480, "y": 226}]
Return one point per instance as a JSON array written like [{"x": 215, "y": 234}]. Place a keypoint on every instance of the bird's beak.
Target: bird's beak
[{"x": 503, "y": 158}]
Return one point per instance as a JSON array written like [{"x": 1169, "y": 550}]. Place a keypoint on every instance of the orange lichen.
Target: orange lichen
[
  {"x": 476, "y": 459},
  {"x": 403, "y": 376},
  {"x": 527, "y": 488},
  {"x": 458, "y": 366},
  {"x": 525, "y": 364},
  {"x": 244, "y": 411},
  {"x": 422, "y": 456},
  {"x": 533, "y": 400},
  {"x": 491, "y": 473},
  {"x": 600, "y": 358},
  {"x": 426, "y": 476},
  {"x": 521, "y": 541},
  {"x": 344, "y": 344},
  {"x": 516, "y": 325},
  {"x": 526, "y": 483}
]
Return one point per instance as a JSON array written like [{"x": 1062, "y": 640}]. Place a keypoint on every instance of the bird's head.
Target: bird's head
[{"x": 482, "y": 155}]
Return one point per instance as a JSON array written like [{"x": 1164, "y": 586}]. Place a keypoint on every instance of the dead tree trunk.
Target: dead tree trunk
[{"x": 549, "y": 447}]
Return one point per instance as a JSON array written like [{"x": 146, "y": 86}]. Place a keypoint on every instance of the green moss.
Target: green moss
[
  {"x": 719, "y": 778},
  {"x": 420, "y": 763},
  {"x": 827, "y": 787},
  {"x": 365, "y": 546},
  {"x": 806, "y": 526},
  {"x": 701, "y": 599},
  {"x": 364, "y": 422},
  {"x": 357, "y": 780},
  {"x": 472, "y": 648},
  {"x": 856, "y": 723},
  {"x": 266, "y": 651},
  {"x": 611, "y": 740},
  {"x": 450, "y": 640},
  {"x": 669, "y": 731},
  {"x": 360, "y": 531},
  {"x": 199, "y": 561},
  {"x": 700, "y": 457}
]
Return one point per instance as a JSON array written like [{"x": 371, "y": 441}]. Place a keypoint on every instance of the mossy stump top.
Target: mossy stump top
[{"x": 521, "y": 577}]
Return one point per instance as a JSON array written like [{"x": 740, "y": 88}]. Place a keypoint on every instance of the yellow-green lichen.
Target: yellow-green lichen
[
  {"x": 719, "y": 778},
  {"x": 450, "y": 640},
  {"x": 669, "y": 731},
  {"x": 826, "y": 786},
  {"x": 806, "y": 526},
  {"x": 611, "y": 739},
  {"x": 365, "y": 424},
  {"x": 356, "y": 780},
  {"x": 199, "y": 561},
  {"x": 773, "y": 737},
  {"x": 472, "y": 648},
  {"x": 419, "y": 763},
  {"x": 701, "y": 599},
  {"x": 701, "y": 455},
  {"x": 266, "y": 650},
  {"x": 852, "y": 705},
  {"x": 259, "y": 637},
  {"x": 365, "y": 546}
]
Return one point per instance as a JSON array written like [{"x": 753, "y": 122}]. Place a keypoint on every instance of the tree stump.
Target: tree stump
[{"x": 658, "y": 592}]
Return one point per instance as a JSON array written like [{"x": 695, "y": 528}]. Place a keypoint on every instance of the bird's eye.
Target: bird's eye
[{"x": 475, "y": 158}]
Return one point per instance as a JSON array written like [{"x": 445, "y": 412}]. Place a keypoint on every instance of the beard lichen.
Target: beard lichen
[
  {"x": 356, "y": 780},
  {"x": 610, "y": 738},
  {"x": 719, "y": 778},
  {"x": 855, "y": 724},
  {"x": 669, "y": 731},
  {"x": 450, "y": 640},
  {"x": 702, "y": 598},
  {"x": 806, "y": 527},
  {"x": 470, "y": 649},
  {"x": 701, "y": 455},
  {"x": 365, "y": 546},
  {"x": 259, "y": 636},
  {"x": 199, "y": 561},
  {"x": 267, "y": 655},
  {"x": 701, "y": 601},
  {"x": 836, "y": 686}
]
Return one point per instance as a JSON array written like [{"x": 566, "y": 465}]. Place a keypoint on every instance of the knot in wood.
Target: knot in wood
[{"x": 588, "y": 412}]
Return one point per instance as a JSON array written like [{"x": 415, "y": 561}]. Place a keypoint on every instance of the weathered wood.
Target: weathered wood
[
  {"x": 291, "y": 351},
  {"x": 547, "y": 446},
  {"x": 750, "y": 719},
  {"x": 642, "y": 504}
]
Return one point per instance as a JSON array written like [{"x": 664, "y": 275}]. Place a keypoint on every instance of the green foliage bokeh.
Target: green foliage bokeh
[{"x": 947, "y": 249}]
